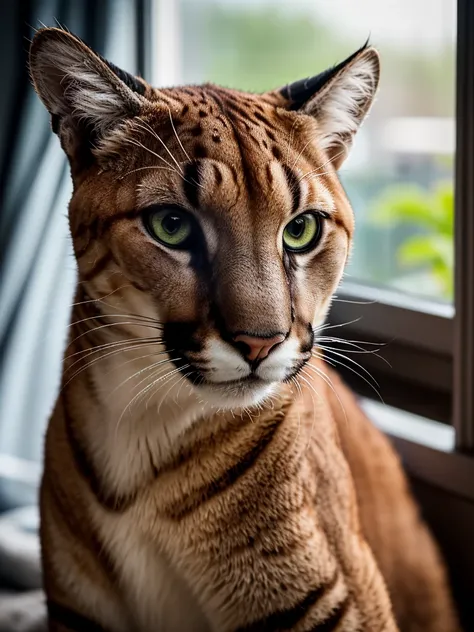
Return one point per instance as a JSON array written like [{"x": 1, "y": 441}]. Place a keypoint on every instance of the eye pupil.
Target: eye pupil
[
  {"x": 296, "y": 227},
  {"x": 171, "y": 224}
]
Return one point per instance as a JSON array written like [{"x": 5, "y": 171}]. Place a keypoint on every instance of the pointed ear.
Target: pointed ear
[
  {"x": 84, "y": 93},
  {"x": 339, "y": 99}
]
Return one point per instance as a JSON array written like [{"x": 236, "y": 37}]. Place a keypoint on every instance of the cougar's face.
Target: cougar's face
[{"x": 219, "y": 215}]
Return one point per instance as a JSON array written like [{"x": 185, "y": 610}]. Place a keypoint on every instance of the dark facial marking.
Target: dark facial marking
[
  {"x": 294, "y": 186},
  {"x": 276, "y": 152},
  {"x": 202, "y": 113},
  {"x": 218, "y": 174},
  {"x": 200, "y": 151},
  {"x": 196, "y": 130},
  {"x": 269, "y": 172},
  {"x": 180, "y": 337},
  {"x": 192, "y": 182},
  {"x": 308, "y": 344},
  {"x": 261, "y": 118}
]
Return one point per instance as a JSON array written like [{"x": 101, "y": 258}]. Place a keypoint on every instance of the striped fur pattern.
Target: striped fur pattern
[{"x": 187, "y": 487}]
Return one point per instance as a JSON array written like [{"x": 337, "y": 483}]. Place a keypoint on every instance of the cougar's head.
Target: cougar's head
[{"x": 214, "y": 213}]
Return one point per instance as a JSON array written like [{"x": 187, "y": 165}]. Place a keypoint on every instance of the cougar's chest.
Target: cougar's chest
[{"x": 156, "y": 595}]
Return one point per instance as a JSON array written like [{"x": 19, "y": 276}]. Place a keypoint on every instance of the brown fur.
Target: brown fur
[{"x": 173, "y": 497}]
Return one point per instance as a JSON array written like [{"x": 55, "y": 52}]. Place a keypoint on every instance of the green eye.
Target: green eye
[
  {"x": 173, "y": 228},
  {"x": 302, "y": 233}
]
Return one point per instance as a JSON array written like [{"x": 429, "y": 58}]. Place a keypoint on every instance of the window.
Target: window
[
  {"x": 399, "y": 287},
  {"x": 399, "y": 176}
]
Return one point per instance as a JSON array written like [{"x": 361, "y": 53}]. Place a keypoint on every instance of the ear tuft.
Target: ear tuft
[
  {"x": 339, "y": 99},
  {"x": 73, "y": 81}
]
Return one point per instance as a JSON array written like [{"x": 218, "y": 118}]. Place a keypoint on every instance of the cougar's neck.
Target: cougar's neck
[{"x": 130, "y": 407}]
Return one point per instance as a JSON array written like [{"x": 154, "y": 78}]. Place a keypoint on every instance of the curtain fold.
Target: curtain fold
[{"x": 37, "y": 274}]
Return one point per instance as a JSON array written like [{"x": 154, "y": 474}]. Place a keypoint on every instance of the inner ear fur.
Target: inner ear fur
[{"x": 339, "y": 98}]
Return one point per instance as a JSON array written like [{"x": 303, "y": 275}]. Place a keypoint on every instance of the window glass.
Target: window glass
[{"x": 399, "y": 176}]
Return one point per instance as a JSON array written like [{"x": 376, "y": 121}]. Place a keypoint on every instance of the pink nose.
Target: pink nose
[{"x": 259, "y": 348}]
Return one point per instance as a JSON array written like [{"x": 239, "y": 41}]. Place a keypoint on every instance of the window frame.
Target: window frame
[{"x": 463, "y": 350}]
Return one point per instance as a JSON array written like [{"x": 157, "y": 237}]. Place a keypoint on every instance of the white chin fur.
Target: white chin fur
[{"x": 235, "y": 395}]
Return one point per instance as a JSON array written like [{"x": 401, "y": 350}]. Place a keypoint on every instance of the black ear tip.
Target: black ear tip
[{"x": 300, "y": 91}]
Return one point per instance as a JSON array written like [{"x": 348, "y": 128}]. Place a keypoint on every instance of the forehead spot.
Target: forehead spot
[
  {"x": 215, "y": 136},
  {"x": 196, "y": 130},
  {"x": 200, "y": 151},
  {"x": 261, "y": 118},
  {"x": 203, "y": 113},
  {"x": 276, "y": 152}
]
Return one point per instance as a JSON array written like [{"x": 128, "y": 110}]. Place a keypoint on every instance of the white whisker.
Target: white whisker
[
  {"x": 177, "y": 137},
  {"x": 145, "y": 126}
]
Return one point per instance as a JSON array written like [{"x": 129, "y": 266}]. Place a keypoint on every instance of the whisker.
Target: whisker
[
  {"x": 109, "y": 345},
  {"x": 356, "y": 350},
  {"x": 184, "y": 378},
  {"x": 128, "y": 322},
  {"x": 95, "y": 300},
  {"x": 290, "y": 139},
  {"x": 177, "y": 137},
  {"x": 311, "y": 140},
  {"x": 349, "y": 368},
  {"x": 348, "y": 340},
  {"x": 312, "y": 390},
  {"x": 156, "y": 324},
  {"x": 130, "y": 403},
  {"x": 147, "y": 355},
  {"x": 327, "y": 327},
  {"x": 140, "y": 145},
  {"x": 102, "y": 357},
  {"x": 327, "y": 380},
  {"x": 147, "y": 167},
  {"x": 315, "y": 171},
  {"x": 345, "y": 300},
  {"x": 150, "y": 367},
  {"x": 145, "y": 126},
  {"x": 352, "y": 361},
  {"x": 146, "y": 389}
]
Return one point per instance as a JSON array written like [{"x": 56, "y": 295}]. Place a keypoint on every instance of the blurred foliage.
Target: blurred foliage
[{"x": 431, "y": 214}]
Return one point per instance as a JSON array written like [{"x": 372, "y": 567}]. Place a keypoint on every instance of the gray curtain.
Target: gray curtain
[{"x": 37, "y": 267}]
